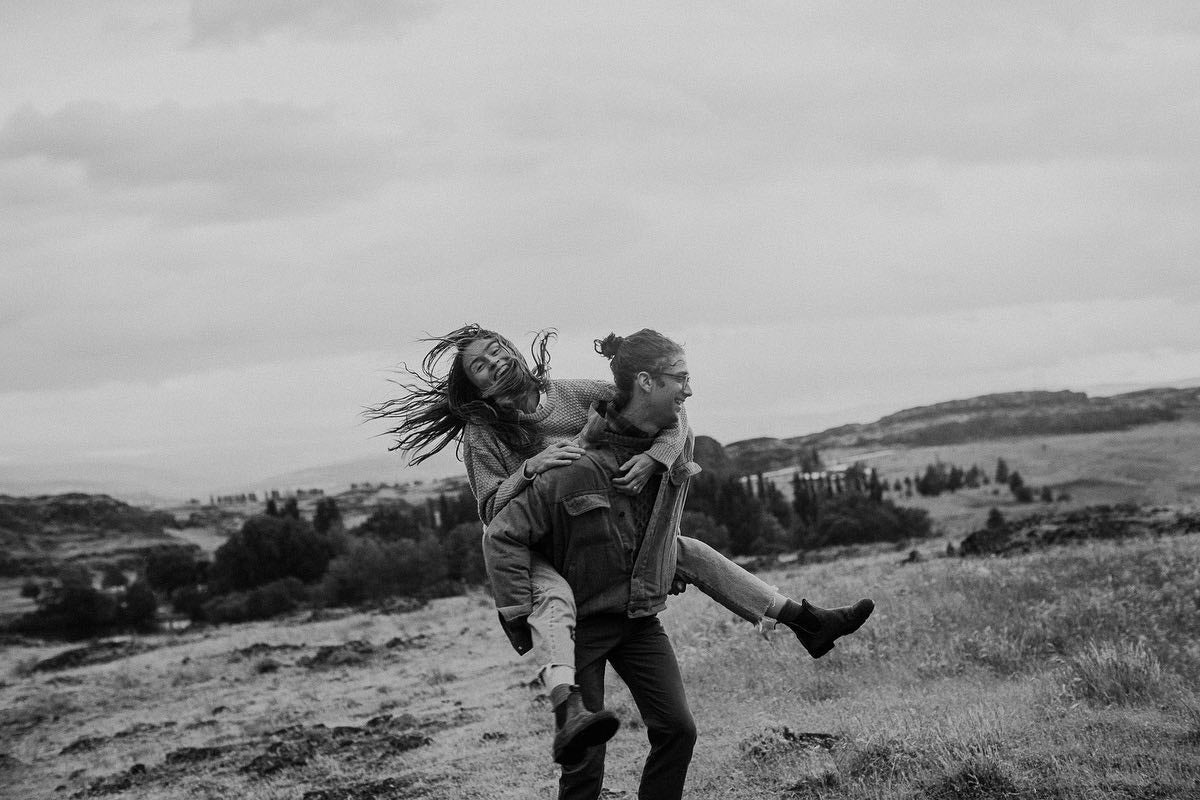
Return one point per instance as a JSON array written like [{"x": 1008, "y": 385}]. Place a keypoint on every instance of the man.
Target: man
[{"x": 618, "y": 554}]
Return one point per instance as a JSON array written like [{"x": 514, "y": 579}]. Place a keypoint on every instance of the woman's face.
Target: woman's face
[{"x": 485, "y": 361}]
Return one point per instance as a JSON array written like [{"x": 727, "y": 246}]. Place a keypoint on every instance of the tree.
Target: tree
[
  {"x": 995, "y": 519},
  {"x": 933, "y": 482},
  {"x": 113, "y": 577},
  {"x": 171, "y": 568},
  {"x": 1001, "y": 471},
  {"x": 464, "y": 553},
  {"x": 272, "y": 508},
  {"x": 267, "y": 549},
  {"x": 703, "y": 527},
  {"x": 327, "y": 516},
  {"x": 391, "y": 522},
  {"x": 1020, "y": 491},
  {"x": 291, "y": 508},
  {"x": 854, "y": 517},
  {"x": 139, "y": 605}
]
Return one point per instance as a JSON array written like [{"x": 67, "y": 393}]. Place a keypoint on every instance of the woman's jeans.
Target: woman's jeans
[{"x": 552, "y": 620}]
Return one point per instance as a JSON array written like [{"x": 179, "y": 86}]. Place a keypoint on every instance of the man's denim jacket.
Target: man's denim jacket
[{"x": 584, "y": 528}]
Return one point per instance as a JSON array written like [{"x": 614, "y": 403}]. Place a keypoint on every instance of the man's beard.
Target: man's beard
[{"x": 515, "y": 383}]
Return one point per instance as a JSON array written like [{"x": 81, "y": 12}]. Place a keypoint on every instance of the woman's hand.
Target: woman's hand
[
  {"x": 637, "y": 471},
  {"x": 556, "y": 455}
]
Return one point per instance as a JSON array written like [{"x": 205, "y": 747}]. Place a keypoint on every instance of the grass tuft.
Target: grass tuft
[{"x": 1118, "y": 673}]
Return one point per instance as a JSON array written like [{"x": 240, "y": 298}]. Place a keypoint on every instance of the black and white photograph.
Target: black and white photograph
[{"x": 515, "y": 401}]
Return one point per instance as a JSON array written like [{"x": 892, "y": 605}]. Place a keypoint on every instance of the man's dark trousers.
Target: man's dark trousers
[{"x": 641, "y": 653}]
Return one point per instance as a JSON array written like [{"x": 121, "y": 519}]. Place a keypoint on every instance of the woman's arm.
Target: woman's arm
[
  {"x": 497, "y": 476},
  {"x": 494, "y": 472}
]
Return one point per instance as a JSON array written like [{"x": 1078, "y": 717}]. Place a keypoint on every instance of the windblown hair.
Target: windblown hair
[
  {"x": 644, "y": 351},
  {"x": 437, "y": 401}
]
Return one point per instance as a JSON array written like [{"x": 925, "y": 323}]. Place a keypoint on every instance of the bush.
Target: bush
[
  {"x": 139, "y": 605},
  {"x": 464, "y": 553},
  {"x": 853, "y": 518},
  {"x": 73, "y": 608},
  {"x": 263, "y": 602},
  {"x": 171, "y": 568},
  {"x": 703, "y": 527},
  {"x": 371, "y": 570},
  {"x": 269, "y": 549},
  {"x": 113, "y": 577}
]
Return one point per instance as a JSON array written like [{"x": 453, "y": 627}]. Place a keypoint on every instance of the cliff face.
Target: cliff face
[{"x": 990, "y": 416}]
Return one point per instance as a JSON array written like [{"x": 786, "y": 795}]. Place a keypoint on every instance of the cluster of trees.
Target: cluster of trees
[
  {"x": 941, "y": 477},
  {"x": 754, "y": 517},
  {"x": 73, "y": 607}
]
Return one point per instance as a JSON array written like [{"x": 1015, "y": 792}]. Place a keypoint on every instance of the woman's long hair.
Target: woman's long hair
[{"x": 437, "y": 401}]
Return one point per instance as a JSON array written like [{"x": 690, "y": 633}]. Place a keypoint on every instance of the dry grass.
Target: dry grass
[{"x": 1063, "y": 674}]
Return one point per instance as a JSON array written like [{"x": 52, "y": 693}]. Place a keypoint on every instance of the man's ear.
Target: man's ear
[{"x": 645, "y": 380}]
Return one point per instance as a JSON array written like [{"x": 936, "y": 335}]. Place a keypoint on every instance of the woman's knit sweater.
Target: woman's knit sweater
[{"x": 496, "y": 473}]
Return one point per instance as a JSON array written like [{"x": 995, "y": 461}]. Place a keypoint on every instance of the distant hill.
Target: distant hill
[{"x": 993, "y": 416}]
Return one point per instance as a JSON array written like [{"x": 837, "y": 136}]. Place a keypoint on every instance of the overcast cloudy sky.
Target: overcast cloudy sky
[{"x": 222, "y": 222}]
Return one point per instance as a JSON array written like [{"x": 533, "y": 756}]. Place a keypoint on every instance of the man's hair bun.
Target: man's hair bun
[{"x": 609, "y": 345}]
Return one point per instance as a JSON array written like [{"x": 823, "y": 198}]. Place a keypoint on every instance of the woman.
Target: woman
[{"x": 514, "y": 423}]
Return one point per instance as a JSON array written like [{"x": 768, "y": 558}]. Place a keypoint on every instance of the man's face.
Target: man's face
[
  {"x": 669, "y": 390},
  {"x": 485, "y": 361}
]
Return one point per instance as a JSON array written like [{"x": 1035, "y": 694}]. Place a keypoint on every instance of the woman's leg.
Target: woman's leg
[
  {"x": 552, "y": 629},
  {"x": 552, "y": 623},
  {"x": 742, "y": 592},
  {"x": 752, "y": 598}
]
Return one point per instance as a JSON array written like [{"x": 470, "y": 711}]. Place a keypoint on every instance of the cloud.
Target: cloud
[
  {"x": 222, "y": 22},
  {"x": 236, "y": 161}
]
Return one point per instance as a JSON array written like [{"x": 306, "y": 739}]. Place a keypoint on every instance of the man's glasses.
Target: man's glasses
[{"x": 682, "y": 377}]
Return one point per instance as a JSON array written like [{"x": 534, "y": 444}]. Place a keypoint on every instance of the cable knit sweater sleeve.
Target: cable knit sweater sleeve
[{"x": 494, "y": 472}]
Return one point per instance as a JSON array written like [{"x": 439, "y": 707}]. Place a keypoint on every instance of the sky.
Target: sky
[{"x": 223, "y": 224}]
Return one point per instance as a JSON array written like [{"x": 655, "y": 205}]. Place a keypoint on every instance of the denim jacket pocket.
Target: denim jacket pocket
[
  {"x": 594, "y": 556},
  {"x": 583, "y": 503}
]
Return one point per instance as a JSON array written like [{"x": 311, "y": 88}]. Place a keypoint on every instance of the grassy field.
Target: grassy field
[{"x": 1069, "y": 673}]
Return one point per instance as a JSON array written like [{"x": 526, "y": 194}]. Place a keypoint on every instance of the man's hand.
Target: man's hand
[
  {"x": 637, "y": 471},
  {"x": 678, "y": 585}
]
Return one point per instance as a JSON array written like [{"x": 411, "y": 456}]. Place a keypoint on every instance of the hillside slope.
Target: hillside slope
[{"x": 988, "y": 417}]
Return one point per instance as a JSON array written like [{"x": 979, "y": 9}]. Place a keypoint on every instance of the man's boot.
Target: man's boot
[
  {"x": 817, "y": 627},
  {"x": 575, "y": 728}
]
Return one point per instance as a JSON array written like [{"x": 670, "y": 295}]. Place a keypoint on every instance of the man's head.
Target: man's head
[{"x": 651, "y": 375}]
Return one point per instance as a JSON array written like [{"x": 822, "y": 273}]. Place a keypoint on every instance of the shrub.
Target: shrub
[
  {"x": 171, "y": 568},
  {"x": 31, "y": 589},
  {"x": 139, "y": 605},
  {"x": 854, "y": 518},
  {"x": 113, "y": 577},
  {"x": 269, "y": 549},
  {"x": 703, "y": 527},
  {"x": 464, "y": 553},
  {"x": 372, "y": 570},
  {"x": 263, "y": 602}
]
